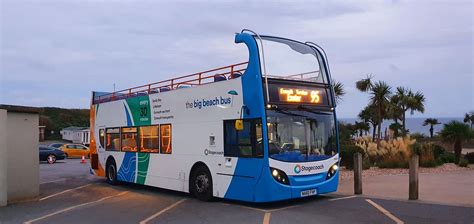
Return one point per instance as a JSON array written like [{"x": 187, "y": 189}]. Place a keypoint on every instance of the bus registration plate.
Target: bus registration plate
[{"x": 308, "y": 192}]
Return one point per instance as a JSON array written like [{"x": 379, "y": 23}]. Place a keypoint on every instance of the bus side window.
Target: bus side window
[
  {"x": 149, "y": 139},
  {"x": 243, "y": 143},
  {"x": 113, "y": 139},
  {"x": 165, "y": 133},
  {"x": 129, "y": 139},
  {"x": 101, "y": 138}
]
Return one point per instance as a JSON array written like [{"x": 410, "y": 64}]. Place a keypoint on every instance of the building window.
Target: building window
[
  {"x": 165, "y": 131},
  {"x": 149, "y": 139},
  {"x": 113, "y": 139},
  {"x": 244, "y": 143},
  {"x": 129, "y": 139}
]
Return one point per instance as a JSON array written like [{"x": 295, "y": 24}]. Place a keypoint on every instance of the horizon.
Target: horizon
[{"x": 83, "y": 47}]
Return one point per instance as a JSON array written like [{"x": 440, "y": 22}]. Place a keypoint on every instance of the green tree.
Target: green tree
[
  {"x": 406, "y": 100},
  {"x": 379, "y": 98},
  {"x": 469, "y": 118},
  {"x": 338, "y": 90},
  {"x": 396, "y": 128},
  {"x": 361, "y": 127},
  {"x": 431, "y": 122},
  {"x": 368, "y": 116},
  {"x": 456, "y": 133}
]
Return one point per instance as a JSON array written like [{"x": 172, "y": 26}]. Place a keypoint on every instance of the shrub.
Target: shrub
[
  {"x": 470, "y": 157},
  {"x": 438, "y": 150},
  {"x": 388, "y": 154},
  {"x": 447, "y": 157},
  {"x": 347, "y": 156},
  {"x": 426, "y": 153},
  {"x": 463, "y": 163}
]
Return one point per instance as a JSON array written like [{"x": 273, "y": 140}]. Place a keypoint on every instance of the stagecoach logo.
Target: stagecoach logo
[
  {"x": 210, "y": 152},
  {"x": 299, "y": 168}
]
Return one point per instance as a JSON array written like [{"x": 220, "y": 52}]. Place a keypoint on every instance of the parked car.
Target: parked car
[
  {"x": 50, "y": 154},
  {"x": 75, "y": 150},
  {"x": 56, "y": 145}
]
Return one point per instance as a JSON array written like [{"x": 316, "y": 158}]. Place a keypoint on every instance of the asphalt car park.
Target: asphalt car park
[{"x": 69, "y": 194}]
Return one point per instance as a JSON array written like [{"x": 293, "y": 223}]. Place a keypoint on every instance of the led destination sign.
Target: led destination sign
[
  {"x": 298, "y": 95},
  {"x": 293, "y": 95}
]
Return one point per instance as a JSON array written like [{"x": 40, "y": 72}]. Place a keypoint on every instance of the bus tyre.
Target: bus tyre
[
  {"x": 111, "y": 173},
  {"x": 201, "y": 184}
]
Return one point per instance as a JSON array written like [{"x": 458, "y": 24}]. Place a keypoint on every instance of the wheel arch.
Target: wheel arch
[{"x": 193, "y": 169}]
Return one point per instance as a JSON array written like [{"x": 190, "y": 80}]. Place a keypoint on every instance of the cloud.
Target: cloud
[{"x": 55, "y": 53}]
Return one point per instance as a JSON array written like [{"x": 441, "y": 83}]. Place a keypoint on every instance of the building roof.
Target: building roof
[
  {"x": 74, "y": 128},
  {"x": 21, "y": 109}
]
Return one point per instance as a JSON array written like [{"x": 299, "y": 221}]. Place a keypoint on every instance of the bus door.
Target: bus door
[{"x": 243, "y": 156}]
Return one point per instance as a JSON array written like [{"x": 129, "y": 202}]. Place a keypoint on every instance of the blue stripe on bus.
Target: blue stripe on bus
[
  {"x": 127, "y": 170},
  {"x": 252, "y": 90},
  {"x": 129, "y": 119}
]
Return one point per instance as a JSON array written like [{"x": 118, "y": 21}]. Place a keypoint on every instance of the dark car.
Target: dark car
[
  {"x": 50, "y": 154},
  {"x": 56, "y": 145}
]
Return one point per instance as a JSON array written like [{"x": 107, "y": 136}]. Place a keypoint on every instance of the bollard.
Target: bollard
[
  {"x": 413, "y": 178},
  {"x": 357, "y": 173}
]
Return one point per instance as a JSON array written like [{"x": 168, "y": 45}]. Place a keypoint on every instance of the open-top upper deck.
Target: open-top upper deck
[{"x": 195, "y": 79}]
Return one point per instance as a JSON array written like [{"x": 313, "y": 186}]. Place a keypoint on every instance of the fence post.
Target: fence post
[
  {"x": 413, "y": 178},
  {"x": 357, "y": 173}
]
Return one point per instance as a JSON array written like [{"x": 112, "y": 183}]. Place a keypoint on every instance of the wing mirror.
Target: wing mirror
[{"x": 239, "y": 125}]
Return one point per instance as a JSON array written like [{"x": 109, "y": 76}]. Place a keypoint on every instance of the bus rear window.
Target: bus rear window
[
  {"x": 129, "y": 139},
  {"x": 149, "y": 139},
  {"x": 113, "y": 139},
  {"x": 165, "y": 131}
]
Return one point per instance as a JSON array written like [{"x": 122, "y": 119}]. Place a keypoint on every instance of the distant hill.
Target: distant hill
[{"x": 56, "y": 119}]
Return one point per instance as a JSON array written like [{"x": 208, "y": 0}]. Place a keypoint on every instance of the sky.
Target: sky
[{"x": 55, "y": 53}]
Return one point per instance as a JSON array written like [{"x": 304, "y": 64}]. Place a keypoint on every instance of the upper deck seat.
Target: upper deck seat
[
  {"x": 235, "y": 75},
  {"x": 142, "y": 93},
  {"x": 183, "y": 86},
  {"x": 154, "y": 91},
  {"x": 219, "y": 77},
  {"x": 164, "y": 89}
]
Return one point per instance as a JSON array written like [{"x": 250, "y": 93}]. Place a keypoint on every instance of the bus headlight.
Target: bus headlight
[
  {"x": 279, "y": 176},
  {"x": 332, "y": 171}
]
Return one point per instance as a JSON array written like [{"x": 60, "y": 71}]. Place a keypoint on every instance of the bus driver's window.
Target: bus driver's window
[
  {"x": 244, "y": 143},
  {"x": 113, "y": 139}
]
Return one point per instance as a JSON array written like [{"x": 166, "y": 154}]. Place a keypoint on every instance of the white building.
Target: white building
[{"x": 79, "y": 135}]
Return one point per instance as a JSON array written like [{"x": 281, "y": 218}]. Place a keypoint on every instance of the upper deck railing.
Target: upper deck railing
[{"x": 196, "y": 79}]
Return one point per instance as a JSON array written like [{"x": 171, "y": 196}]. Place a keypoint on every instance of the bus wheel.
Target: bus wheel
[
  {"x": 201, "y": 184},
  {"x": 51, "y": 159},
  {"x": 111, "y": 173}
]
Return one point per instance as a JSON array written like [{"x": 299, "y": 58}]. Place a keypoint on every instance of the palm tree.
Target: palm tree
[
  {"x": 395, "y": 127},
  {"x": 361, "y": 127},
  {"x": 406, "y": 100},
  {"x": 368, "y": 116},
  {"x": 431, "y": 122},
  {"x": 338, "y": 90},
  {"x": 379, "y": 98},
  {"x": 456, "y": 132},
  {"x": 469, "y": 118}
]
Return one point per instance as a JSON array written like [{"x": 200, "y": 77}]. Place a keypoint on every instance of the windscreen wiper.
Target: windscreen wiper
[
  {"x": 300, "y": 107},
  {"x": 287, "y": 112}
]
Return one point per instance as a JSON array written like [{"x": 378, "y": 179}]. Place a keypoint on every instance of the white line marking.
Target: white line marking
[
  {"x": 266, "y": 218},
  {"x": 162, "y": 211},
  {"x": 73, "y": 207},
  {"x": 348, "y": 197},
  {"x": 385, "y": 212},
  {"x": 62, "y": 192},
  {"x": 53, "y": 181}
]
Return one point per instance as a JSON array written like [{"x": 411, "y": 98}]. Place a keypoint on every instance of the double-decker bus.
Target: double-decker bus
[{"x": 258, "y": 131}]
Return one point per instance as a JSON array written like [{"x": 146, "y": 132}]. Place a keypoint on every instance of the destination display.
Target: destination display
[{"x": 307, "y": 95}]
